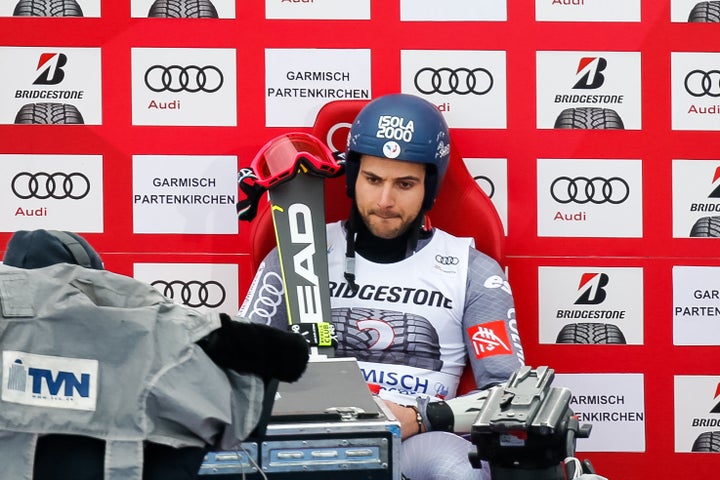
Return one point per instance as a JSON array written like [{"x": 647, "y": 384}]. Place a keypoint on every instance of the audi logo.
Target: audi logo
[
  {"x": 270, "y": 295},
  {"x": 699, "y": 83},
  {"x": 446, "y": 260},
  {"x": 193, "y": 293},
  {"x": 176, "y": 78},
  {"x": 57, "y": 185},
  {"x": 595, "y": 190},
  {"x": 462, "y": 81},
  {"x": 489, "y": 187}
]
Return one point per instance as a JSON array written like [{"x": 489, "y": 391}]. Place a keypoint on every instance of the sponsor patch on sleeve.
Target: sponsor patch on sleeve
[{"x": 490, "y": 339}]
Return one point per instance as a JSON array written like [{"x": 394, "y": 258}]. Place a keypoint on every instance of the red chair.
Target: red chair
[{"x": 461, "y": 208}]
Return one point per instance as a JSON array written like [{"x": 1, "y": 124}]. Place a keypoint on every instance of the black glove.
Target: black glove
[{"x": 259, "y": 349}]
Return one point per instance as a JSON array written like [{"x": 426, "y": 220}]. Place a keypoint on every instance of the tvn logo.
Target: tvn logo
[{"x": 47, "y": 381}]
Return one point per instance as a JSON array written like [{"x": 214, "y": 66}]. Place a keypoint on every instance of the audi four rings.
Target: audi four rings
[
  {"x": 595, "y": 190},
  {"x": 193, "y": 293},
  {"x": 699, "y": 83},
  {"x": 269, "y": 296},
  {"x": 446, "y": 260},
  {"x": 191, "y": 78},
  {"x": 462, "y": 81},
  {"x": 57, "y": 185}
]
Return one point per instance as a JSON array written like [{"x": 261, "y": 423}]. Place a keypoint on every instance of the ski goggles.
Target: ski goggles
[{"x": 286, "y": 155}]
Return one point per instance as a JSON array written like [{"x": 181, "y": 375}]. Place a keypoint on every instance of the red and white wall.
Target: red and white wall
[{"x": 598, "y": 221}]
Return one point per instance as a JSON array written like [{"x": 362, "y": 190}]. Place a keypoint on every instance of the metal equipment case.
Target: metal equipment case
[{"x": 326, "y": 426}]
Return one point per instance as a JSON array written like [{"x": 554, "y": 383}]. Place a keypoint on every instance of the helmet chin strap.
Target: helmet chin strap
[
  {"x": 415, "y": 229},
  {"x": 351, "y": 227}
]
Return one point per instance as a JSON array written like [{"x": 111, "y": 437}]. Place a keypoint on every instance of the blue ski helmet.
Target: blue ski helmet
[{"x": 400, "y": 127}]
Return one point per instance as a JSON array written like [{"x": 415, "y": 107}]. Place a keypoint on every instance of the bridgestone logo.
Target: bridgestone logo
[
  {"x": 604, "y": 99},
  {"x": 606, "y": 314},
  {"x": 51, "y": 94},
  {"x": 705, "y": 207},
  {"x": 706, "y": 422},
  {"x": 392, "y": 294}
]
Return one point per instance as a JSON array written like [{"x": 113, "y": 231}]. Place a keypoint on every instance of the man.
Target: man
[
  {"x": 170, "y": 419},
  {"x": 408, "y": 323}
]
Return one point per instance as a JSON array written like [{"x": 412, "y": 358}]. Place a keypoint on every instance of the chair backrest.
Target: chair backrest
[{"x": 461, "y": 208}]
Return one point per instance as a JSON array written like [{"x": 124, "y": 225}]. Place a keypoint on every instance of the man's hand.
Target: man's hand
[{"x": 407, "y": 417}]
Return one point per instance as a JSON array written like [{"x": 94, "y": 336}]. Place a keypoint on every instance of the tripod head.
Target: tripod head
[{"x": 525, "y": 429}]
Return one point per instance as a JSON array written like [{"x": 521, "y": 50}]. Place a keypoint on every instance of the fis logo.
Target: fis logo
[
  {"x": 589, "y": 69},
  {"x": 591, "y": 288},
  {"x": 490, "y": 339},
  {"x": 48, "y": 381},
  {"x": 50, "y": 69}
]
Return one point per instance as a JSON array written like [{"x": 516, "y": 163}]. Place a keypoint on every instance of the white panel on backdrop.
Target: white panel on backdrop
[
  {"x": 593, "y": 294},
  {"x": 491, "y": 175},
  {"x": 203, "y": 286},
  {"x": 587, "y": 10},
  {"x": 300, "y": 81},
  {"x": 585, "y": 197},
  {"x": 696, "y": 305},
  {"x": 468, "y": 86},
  {"x": 184, "y": 86},
  {"x": 58, "y": 75},
  {"x": 184, "y": 194},
  {"x": 697, "y": 409},
  {"x": 696, "y": 195},
  {"x": 224, "y": 8},
  {"x": 588, "y": 79},
  {"x": 680, "y": 9},
  {"x": 318, "y": 9},
  {"x": 614, "y": 404},
  {"x": 453, "y": 10},
  {"x": 695, "y": 91},
  {"x": 61, "y": 192},
  {"x": 89, "y": 8}
]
